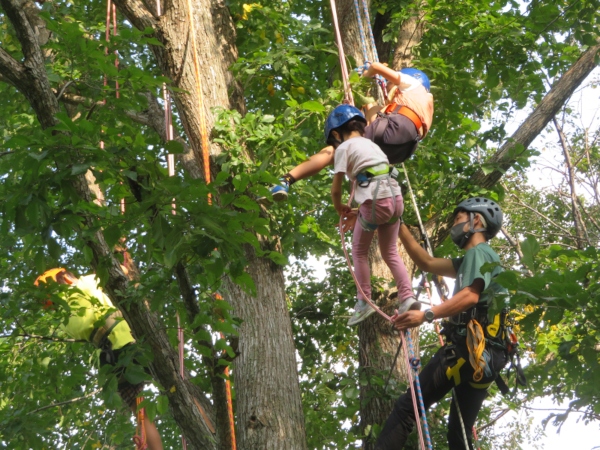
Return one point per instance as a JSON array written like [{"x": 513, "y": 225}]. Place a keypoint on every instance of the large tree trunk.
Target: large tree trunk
[{"x": 269, "y": 407}]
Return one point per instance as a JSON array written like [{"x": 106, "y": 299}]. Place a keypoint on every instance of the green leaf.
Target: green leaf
[
  {"x": 313, "y": 106},
  {"x": 530, "y": 248},
  {"x": 175, "y": 147},
  {"x": 135, "y": 374},
  {"x": 79, "y": 168},
  {"x": 162, "y": 404}
]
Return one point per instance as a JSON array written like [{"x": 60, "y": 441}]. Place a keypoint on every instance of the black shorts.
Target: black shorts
[{"x": 126, "y": 390}]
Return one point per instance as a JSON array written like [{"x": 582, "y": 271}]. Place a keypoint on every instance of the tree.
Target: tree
[{"x": 262, "y": 116}]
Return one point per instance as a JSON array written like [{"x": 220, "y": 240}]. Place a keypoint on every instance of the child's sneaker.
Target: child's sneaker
[
  {"x": 278, "y": 191},
  {"x": 362, "y": 311},
  {"x": 409, "y": 304}
]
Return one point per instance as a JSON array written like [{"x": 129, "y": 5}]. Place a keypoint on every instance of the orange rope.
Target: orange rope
[
  {"x": 140, "y": 437},
  {"x": 203, "y": 132},
  {"x": 206, "y": 163}
]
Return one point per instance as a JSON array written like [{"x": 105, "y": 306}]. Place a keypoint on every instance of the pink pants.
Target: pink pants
[{"x": 388, "y": 236}]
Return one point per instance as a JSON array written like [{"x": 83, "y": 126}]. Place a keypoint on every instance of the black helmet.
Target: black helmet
[{"x": 490, "y": 211}]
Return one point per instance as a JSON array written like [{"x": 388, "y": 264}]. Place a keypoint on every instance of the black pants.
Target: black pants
[{"x": 437, "y": 378}]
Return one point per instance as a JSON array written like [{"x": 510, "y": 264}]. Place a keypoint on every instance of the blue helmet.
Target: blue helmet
[
  {"x": 416, "y": 73},
  {"x": 341, "y": 115}
]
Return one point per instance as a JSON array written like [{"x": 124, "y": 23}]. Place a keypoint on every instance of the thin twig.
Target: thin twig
[
  {"x": 63, "y": 89},
  {"x": 53, "y": 405},
  {"x": 43, "y": 338},
  {"x": 538, "y": 213},
  {"x": 493, "y": 421}
]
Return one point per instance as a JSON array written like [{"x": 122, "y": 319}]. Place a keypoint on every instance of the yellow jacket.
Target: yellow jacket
[{"x": 89, "y": 307}]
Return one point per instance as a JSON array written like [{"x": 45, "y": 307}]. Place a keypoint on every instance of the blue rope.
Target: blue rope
[
  {"x": 375, "y": 55},
  {"x": 362, "y": 31},
  {"x": 415, "y": 364}
]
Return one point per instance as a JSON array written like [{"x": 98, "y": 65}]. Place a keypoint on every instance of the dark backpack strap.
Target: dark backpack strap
[{"x": 502, "y": 385}]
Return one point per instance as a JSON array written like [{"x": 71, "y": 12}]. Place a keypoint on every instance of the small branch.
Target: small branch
[
  {"x": 63, "y": 89},
  {"x": 580, "y": 228},
  {"x": 42, "y": 338},
  {"x": 586, "y": 213},
  {"x": 595, "y": 416},
  {"x": 517, "y": 246},
  {"x": 520, "y": 203},
  {"x": 493, "y": 421},
  {"x": 53, "y": 405}
]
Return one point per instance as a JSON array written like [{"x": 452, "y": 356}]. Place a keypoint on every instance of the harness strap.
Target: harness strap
[
  {"x": 376, "y": 173},
  {"x": 100, "y": 333},
  {"x": 394, "y": 108}
]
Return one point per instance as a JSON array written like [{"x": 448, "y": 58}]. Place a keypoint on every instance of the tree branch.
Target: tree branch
[
  {"x": 580, "y": 228},
  {"x": 562, "y": 90},
  {"x": 54, "y": 405},
  {"x": 494, "y": 420},
  {"x": 43, "y": 338}
]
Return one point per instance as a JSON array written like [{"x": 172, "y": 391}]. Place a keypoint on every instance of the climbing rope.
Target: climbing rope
[
  {"x": 140, "y": 432},
  {"x": 429, "y": 250},
  {"x": 207, "y": 177},
  {"x": 346, "y": 81},
  {"x": 476, "y": 346},
  {"x": 415, "y": 365},
  {"x": 349, "y": 99},
  {"x": 203, "y": 128}
]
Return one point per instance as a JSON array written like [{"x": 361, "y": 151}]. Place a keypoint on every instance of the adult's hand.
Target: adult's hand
[{"x": 410, "y": 319}]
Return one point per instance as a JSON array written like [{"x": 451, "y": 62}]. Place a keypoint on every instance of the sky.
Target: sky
[{"x": 573, "y": 433}]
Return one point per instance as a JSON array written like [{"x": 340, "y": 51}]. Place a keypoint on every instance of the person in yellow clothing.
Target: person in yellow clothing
[{"x": 95, "y": 319}]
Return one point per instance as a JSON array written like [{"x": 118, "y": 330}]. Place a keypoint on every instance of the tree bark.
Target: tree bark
[{"x": 269, "y": 408}]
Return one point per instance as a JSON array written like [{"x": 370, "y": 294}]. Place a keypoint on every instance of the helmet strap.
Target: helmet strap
[{"x": 471, "y": 231}]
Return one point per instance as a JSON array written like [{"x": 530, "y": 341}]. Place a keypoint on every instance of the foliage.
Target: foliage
[{"x": 486, "y": 59}]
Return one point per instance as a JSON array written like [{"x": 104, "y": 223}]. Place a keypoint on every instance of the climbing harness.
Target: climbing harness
[
  {"x": 393, "y": 132},
  {"x": 376, "y": 174}
]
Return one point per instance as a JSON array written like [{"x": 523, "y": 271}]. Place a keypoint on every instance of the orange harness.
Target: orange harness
[{"x": 394, "y": 108}]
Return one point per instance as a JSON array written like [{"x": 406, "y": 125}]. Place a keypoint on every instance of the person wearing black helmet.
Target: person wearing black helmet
[{"x": 476, "y": 221}]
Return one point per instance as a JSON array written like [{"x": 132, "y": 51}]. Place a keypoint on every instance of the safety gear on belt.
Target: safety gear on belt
[
  {"x": 376, "y": 173},
  {"x": 497, "y": 333},
  {"x": 490, "y": 211}
]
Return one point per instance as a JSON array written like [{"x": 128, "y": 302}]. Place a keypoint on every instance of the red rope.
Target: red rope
[
  {"x": 385, "y": 316},
  {"x": 347, "y": 89}
]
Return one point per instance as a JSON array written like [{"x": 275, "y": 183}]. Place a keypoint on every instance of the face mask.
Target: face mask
[{"x": 458, "y": 235}]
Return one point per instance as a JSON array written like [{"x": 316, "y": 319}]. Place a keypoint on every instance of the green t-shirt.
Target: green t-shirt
[{"x": 468, "y": 269}]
